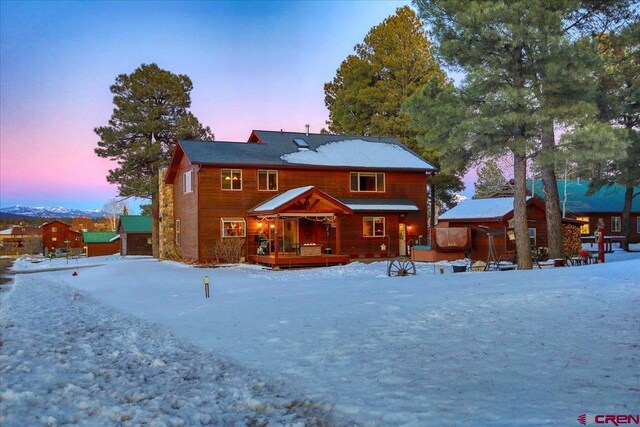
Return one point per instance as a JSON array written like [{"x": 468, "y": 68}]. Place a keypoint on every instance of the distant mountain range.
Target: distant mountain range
[{"x": 55, "y": 212}]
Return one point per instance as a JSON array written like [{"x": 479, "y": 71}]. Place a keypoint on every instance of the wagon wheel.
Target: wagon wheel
[{"x": 401, "y": 267}]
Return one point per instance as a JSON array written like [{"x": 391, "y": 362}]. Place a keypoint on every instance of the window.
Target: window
[
  {"x": 616, "y": 224},
  {"x": 54, "y": 229},
  {"x": 232, "y": 179},
  {"x": 584, "y": 229},
  {"x": 177, "y": 231},
  {"x": 367, "y": 181},
  {"x": 187, "y": 179},
  {"x": 234, "y": 227},
  {"x": 267, "y": 180},
  {"x": 54, "y": 239},
  {"x": 532, "y": 237},
  {"x": 373, "y": 226},
  {"x": 638, "y": 224}
]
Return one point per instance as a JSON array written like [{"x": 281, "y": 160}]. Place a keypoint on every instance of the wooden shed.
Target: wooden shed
[
  {"x": 135, "y": 235},
  {"x": 493, "y": 219},
  {"x": 99, "y": 243}
]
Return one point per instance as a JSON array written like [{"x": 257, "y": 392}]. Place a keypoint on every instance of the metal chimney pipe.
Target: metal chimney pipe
[{"x": 307, "y": 126}]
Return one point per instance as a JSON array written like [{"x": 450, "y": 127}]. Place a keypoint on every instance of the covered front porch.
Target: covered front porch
[{"x": 300, "y": 227}]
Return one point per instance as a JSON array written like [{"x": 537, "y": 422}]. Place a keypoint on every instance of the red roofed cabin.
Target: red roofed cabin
[{"x": 298, "y": 199}]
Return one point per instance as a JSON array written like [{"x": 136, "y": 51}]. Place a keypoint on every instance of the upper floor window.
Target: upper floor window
[
  {"x": 54, "y": 229},
  {"x": 187, "y": 180},
  {"x": 232, "y": 179},
  {"x": 616, "y": 224},
  {"x": 584, "y": 228},
  {"x": 373, "y": 226},
  {"x": 233, "y": 227},
  {"x": 367, "y": 181},
  {"x": 267, "y": 180}
]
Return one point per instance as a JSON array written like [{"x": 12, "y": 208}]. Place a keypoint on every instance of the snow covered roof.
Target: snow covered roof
[
  {"x": 6, "y": 231},
  {"x": 480, "y": 209},
  {"x": 280, "y": 148},
  {"x": 387, "y": 205},
  {"x": 281, "y": 199},
  {"x": 359, "y": 153}
]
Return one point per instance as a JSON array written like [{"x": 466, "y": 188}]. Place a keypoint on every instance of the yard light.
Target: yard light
[{"x": 206, "y": 286}]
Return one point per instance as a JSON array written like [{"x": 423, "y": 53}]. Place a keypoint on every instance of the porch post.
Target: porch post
[
  {"x": 338, "y": 240},
  {"x": 275, "y": 244}
]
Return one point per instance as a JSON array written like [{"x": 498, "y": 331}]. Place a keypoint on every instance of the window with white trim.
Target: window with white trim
[
  {"x": 532, "y": 237},
  {"x": 177, "y": 232},
  {"x": 54, "y": 239},
  {"x": 368, "y": 182},
  {"x": 267, "y": 180},
  {"x": 54, "y": 229},
  {"x": 616, "y": 224},
  {"x": 233, "y": 227},
  {"x": 373, "y": 226},
  {"x": 231, "y": 179},
  {"x": 187, "y": 182}
]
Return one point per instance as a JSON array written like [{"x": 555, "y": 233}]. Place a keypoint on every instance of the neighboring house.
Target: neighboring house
[
  {"x": 57, "y": 234},
  {"x": 20, "y": 239},
  {"x": 297, "y": 198},
  {"x": 135, "y": 235},
  {"x": 98, "y": 243},
  {"x": 494, "y": 218},
  {"x": 606, "y": 203}
]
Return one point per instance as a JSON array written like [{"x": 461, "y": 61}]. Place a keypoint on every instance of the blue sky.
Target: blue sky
[{"x": 254, "y": 65}]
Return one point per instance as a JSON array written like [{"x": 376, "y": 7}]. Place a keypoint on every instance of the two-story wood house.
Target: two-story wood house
[{"x": 297, "y": 198}]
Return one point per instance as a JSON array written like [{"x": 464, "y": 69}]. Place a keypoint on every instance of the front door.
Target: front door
[{"x": 402, "y": 235}]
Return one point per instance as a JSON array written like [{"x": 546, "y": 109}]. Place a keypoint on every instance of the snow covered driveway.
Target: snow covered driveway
[
  {"x": 67, "y": 359},
  {"x": 533, "y": 347}
]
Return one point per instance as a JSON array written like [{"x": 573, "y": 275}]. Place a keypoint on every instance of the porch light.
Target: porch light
[
  {"x": 259, "y": 224},
  {"x": 272, "y": 226},
  {"x": 410, "y": 227}
]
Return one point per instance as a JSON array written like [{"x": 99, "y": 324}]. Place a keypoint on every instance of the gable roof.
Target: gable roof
[
  {"x": 287, "y": 199},
  {"x": 268, "y": 148},
  {"x": 494, "y": 208},
  {"x": 609, "y": 198},
  {"x": 99, "y": 236},
  {"x": 135, "y": 224}
]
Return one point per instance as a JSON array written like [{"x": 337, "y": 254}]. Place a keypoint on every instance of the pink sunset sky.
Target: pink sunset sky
[{"x": 254, "y": 65}]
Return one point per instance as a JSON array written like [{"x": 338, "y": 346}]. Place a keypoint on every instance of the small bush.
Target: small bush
[{"x": 228, "y": 250}]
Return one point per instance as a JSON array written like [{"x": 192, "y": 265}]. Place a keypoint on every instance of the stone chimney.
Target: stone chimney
[{"x": 166, "y": 234}]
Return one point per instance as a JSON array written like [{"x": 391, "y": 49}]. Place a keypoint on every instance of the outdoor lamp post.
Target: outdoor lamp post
[{"x": 206, "y": 286}]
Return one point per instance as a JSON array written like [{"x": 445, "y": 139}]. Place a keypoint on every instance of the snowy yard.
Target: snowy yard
[{"x": 133, "y": 340}]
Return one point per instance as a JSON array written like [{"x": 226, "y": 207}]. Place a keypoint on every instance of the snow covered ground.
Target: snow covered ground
[{"x": 135, "y": 341}]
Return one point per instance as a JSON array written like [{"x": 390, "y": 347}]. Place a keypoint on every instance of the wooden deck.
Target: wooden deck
[{"x": 293, "y": 261}]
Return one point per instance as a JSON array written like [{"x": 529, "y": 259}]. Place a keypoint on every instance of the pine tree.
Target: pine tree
[
  {"x": 619, "y": 104},
  {"x": 151, "y": 113},
  {"x": 490, "y": 180},
  {"x": 366, "y": 95},
  {"x": 522, "y": 65}
]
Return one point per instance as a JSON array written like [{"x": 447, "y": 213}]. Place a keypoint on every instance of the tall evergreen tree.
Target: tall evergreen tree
[
  {"x": 151, "y": 113},
  {"x": 619, "y": 104},
  {"x": 521, "y": 66},
  {"x": 490, "y": 180},
  {"x": 366, "y": 95}
]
